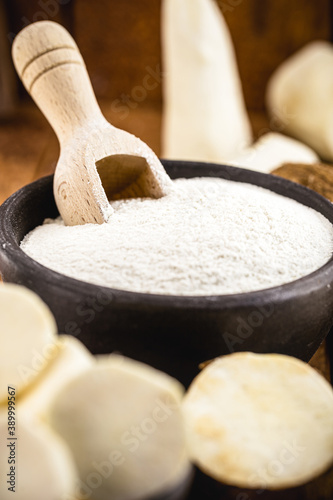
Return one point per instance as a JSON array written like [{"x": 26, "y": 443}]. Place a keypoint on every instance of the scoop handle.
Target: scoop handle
[{"x": 52, "y": 70}]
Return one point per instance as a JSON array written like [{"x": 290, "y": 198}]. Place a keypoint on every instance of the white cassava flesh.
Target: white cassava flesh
[
  {"x": 204, "y": 110},
  {"x": 123, "y": 422},
  {"x": 27, "y": 341},
  {"x": 273, "y": 150},
  {"x": 44, "y": 466},
  {"x": 72, "y": 359},
  {"x": 260, "y": 421},
  {"x": 299, "y": 96}
]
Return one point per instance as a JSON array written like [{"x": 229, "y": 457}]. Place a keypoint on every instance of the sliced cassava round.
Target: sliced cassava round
[
  {"x": 123, "y": 422},
  {"x": 37, "y": 465},
  {"x": 260, "y": 421},
  {"x": 72, "y": 359},
  {"x": 27, "y": 338}
]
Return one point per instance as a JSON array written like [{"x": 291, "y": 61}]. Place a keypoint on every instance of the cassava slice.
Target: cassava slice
[
  {"x": 123, "y": 422},
  {"x": 72, "y": 359},
  {"x": 260, "y": 421},
  {"x": 42, "y": 465},
  {"x": 27, "y": 340}
]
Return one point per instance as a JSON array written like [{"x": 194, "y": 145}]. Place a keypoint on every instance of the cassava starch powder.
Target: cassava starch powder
[{"x": 209, "y": 236}]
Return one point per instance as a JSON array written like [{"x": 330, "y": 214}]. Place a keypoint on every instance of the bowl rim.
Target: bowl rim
[{"x": 10, "y": 250}]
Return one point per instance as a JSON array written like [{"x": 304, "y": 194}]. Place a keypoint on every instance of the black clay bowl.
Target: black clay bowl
[{"x": 173, "y": 333}]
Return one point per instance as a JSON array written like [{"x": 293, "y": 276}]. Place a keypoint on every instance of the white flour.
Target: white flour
[{"x": 207, "y": 237}]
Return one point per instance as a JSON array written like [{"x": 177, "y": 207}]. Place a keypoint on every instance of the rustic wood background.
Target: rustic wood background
[
  {"x": 120, "y": 42},
  {"x": 119, "y": 39}
]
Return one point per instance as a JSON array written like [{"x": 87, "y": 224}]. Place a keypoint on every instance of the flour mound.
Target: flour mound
[{"x": 207, "y": 237}]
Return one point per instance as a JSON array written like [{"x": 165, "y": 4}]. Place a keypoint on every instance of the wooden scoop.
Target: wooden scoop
[{"x": 97, "y": 161}]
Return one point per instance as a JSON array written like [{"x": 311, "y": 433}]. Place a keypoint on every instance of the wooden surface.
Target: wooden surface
[
  {"x": 120, "y": 40},
  {"x": 264, "y": 34}
]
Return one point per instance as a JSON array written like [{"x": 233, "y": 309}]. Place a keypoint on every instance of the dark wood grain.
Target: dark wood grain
[
  {"x": 266, "y": 33},
  {"x": 122, "y": 39}
]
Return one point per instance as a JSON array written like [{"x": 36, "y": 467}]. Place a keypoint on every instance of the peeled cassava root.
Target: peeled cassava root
[
  {"x": 260, "y": 421},
  {"x": 204, "y": 111},
  {"x": 273, "y": 150},
  {"x": 204, "y": 116},
  {"x": 299, "y": 95}
]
